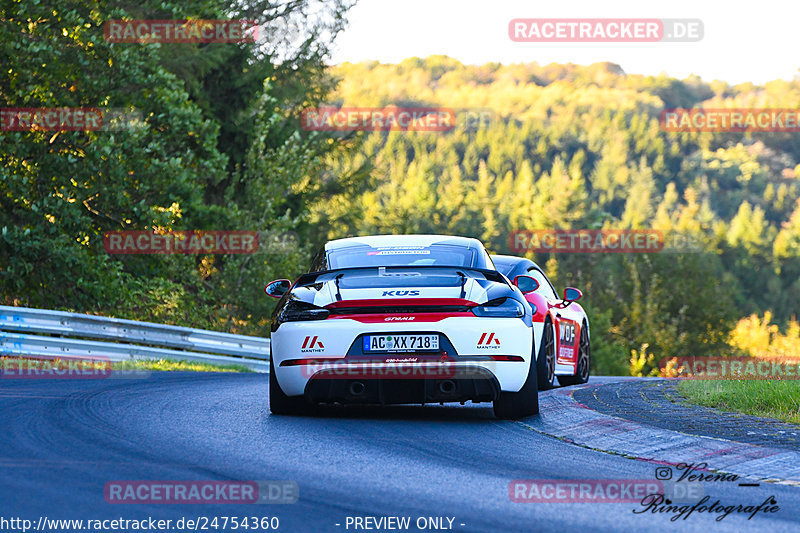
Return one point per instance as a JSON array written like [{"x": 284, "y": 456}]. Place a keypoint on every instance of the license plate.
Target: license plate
[{"x": 400, "y": 343}]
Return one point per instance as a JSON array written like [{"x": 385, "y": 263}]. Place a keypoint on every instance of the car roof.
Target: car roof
[
  {"x": 509, "y": 262},
  {"x": 402, "y": 240}
]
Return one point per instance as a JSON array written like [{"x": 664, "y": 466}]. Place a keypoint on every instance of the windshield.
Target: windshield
[
  {"x": 504, "y": 268},
  {"x": 435, "y": 254}
]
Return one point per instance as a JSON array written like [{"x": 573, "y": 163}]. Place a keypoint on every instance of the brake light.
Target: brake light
[
  {"x": 506, "y": 358},
  {"x": 310, "y": 361}
]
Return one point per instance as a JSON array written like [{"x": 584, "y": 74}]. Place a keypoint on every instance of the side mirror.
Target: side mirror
[
  {"x": 572, "y": 294},
  {"x": 278, "y": 288},
  {"x": 526, "y": 284}
]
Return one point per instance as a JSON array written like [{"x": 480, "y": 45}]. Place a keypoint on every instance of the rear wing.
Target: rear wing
[{"x": 491, "y": 275}]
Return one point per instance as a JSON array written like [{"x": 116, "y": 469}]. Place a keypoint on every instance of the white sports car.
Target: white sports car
[{"x": 404, "y": 319}]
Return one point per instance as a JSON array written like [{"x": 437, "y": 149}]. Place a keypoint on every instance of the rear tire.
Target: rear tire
[
  {"x": 279, "y": 403},
  {"x": 583, "y": 367},
  {"x": 515, "y": 405},
  {"x": 546, "y": 360}
]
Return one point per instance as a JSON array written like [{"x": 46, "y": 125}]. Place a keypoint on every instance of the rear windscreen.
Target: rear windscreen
[{"x": 436, "y": 254}]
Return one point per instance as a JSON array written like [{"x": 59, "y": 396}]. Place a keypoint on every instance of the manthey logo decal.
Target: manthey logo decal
[
  {"x": 489, "y": 341},
  {"x": 312, "y": 344},
  {"x": 400, "y": 293}
]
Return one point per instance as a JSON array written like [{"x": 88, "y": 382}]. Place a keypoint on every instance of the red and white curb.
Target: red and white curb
[{"x": 563, "y": 417}]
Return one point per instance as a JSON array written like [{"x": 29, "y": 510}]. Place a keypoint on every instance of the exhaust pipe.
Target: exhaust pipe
[
  {"x": 448, "y": 386},
  {"x": 357, "y": 388}
]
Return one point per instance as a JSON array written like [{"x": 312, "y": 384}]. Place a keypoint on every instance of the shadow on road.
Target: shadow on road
[{"x": 428, "y": 412}]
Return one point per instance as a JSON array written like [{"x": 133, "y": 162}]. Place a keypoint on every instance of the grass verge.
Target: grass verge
[
  {"x": 34, "y": 366},
  {"x": 768, "y": 398},
  {"x": 172, "y": 365}
]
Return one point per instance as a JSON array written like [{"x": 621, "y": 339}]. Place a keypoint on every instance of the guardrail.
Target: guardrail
[{"x": 40, "y": 332}]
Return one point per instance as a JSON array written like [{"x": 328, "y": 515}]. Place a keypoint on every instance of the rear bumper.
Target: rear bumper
[
  {"x": 325, "y": 372},
  {"x": 481, "y": 386}
]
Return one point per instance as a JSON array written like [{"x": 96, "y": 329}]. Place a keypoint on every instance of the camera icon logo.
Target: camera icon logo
[{"x": 663, "y": 473}]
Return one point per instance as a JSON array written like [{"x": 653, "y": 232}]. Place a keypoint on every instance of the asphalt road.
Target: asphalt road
[{"x": 61, "y": 441}]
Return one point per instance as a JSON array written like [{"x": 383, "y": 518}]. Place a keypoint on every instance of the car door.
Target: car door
[{"x": 566, "y": 322}]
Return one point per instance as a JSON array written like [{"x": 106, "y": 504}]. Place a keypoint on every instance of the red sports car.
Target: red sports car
[{"x": 560, "y": 323}]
